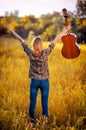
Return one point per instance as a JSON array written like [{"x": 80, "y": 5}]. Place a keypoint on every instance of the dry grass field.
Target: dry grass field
[{"x": 67, "y": 97}]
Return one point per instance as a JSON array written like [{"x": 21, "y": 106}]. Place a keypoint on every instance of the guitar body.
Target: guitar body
[{"x": 70, "y": 48}]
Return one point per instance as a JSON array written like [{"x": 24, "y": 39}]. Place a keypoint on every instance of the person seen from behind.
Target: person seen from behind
[{"x": 38, "y": 70}]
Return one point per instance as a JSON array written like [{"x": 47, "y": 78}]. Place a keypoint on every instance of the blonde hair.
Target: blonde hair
[
  {"x": 37, "y": 45},
  {"x": 36, "y": 41}
]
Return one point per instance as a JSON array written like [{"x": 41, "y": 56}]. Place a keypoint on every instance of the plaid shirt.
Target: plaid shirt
[{"x": 38, "y": 65}]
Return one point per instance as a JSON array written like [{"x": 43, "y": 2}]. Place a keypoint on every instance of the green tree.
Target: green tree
[
  {"x": 81, "y": 20},
  {"x": 50, "y": 33},
  {"x": 81, "y": 8}
]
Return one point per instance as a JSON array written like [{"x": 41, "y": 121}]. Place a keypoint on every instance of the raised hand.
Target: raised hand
[
  {"x": 66, "y": 30},
  {"x": 16, "y": 35}
]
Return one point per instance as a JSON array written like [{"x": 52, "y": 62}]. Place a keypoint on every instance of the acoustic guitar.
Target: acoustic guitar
[{"x": 70, "y": 48}]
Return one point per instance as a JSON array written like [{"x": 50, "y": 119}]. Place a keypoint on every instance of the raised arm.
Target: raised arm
[
  {"x": 57, "y": 38},
  {"x": 24, "y": 45},
  {"x": 16, "y": 35}
]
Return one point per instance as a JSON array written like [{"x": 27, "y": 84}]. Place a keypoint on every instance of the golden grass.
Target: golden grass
[{"x": 67, "y": 98}]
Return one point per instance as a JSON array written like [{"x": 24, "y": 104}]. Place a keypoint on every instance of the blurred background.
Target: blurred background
[{"x": 29, "y": 18}]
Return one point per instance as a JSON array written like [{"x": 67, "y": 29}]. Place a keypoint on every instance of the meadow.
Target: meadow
[{"x": 67, "y": 97}]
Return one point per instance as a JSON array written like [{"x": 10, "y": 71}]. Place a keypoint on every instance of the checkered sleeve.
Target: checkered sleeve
[
  {"x": 50, "y": 48},
  {"x": 26, "y": 49}
]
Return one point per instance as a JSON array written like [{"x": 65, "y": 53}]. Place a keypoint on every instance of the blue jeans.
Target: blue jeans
[{"x": 44, "y": 87}]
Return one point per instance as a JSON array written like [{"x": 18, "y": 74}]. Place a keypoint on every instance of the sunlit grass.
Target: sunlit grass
[{"x": 67, "y": 98}]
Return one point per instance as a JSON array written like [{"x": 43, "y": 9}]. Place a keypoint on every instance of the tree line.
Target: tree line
[{"x": 48, "y": 25}]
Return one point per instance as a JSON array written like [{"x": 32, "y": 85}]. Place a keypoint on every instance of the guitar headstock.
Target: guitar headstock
[
  {"x": 65, "y": 14},
  {"x": 64, "y": 11}
]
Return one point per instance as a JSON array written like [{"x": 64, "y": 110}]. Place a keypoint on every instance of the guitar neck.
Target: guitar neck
[
  {"x": 66, "y": 20},
  {"x": 65, "y": 14}
]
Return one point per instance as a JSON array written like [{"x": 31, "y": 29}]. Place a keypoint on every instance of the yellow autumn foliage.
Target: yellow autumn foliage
[{"x": 13, "y": 25}]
